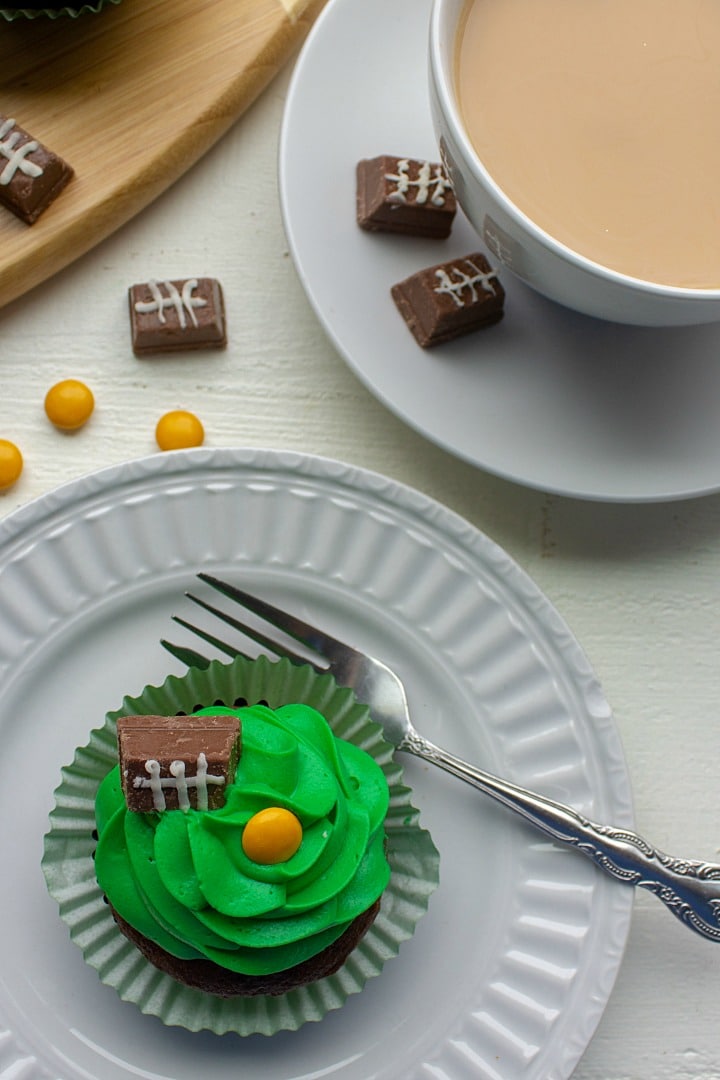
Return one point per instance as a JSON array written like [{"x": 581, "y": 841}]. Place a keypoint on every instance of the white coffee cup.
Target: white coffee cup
[{"x": 516, "y": 242}]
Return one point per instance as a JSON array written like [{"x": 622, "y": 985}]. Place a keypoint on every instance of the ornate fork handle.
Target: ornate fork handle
[{"x": 691, "y": 890}]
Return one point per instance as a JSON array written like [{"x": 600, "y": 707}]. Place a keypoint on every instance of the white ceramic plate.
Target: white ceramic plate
[
  {"x": 509, "y": 972},
  {"x": 550, "y": 399}
]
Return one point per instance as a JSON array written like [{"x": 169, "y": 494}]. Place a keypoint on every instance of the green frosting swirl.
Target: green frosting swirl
[{"x": 183, "y": 880}]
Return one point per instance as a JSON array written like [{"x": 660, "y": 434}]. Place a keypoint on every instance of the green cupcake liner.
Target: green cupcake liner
[
  {"x": 68, "y": 866},
  {"x": 73, "y": 11}
]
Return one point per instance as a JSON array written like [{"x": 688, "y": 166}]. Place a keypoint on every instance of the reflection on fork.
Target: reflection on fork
[{"x": 690, "y": 889}]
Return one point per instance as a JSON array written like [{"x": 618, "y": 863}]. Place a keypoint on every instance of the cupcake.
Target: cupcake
[
  {"x": 242, "y": 850},
  {"x": 235, "y": 849}
]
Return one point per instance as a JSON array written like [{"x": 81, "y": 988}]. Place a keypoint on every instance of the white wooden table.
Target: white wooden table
[{"x": 639, "y": 586}]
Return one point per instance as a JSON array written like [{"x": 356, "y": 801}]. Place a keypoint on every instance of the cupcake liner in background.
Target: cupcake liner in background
[
  {"x": 68, "y": 865},
  {"x": 12, "y": 12}
]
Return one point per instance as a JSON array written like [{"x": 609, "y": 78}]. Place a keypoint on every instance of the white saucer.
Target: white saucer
[{"x": 550, "y": 399}]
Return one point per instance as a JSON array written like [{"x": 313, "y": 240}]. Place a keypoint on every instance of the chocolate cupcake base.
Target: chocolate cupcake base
[{"x": 214, "y": 979}]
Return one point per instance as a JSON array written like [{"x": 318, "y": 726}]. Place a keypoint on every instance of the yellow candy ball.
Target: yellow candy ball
[
  {"x": 69, "y": 404},
  {"x": 272, "y": 836},
  {"x": 11, "y": 464},
  {"x": 179, "y": 429}
]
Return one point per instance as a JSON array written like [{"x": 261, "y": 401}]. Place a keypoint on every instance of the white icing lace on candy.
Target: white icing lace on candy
[
  {"x": 179, "y": 781},
  {"x": 464, "y": 280},
  {"x": 427, "y": 183},
  {"x": 180, "y": 302},
  {"x": 16, "y": 156}
]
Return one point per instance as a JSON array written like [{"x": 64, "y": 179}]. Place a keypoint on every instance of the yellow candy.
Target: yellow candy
[
  {"x": 69, "y": 404},
  {"x": 179, "y": 429},
  {"x": 11, "y": 464},
  {"x": 272, "y": 836}
]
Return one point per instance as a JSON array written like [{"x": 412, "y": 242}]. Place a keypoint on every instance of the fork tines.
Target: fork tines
[{"x": 278, "y": 619}]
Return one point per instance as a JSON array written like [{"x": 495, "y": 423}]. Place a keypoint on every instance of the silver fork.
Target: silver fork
[{"x": 690, "y": 889}]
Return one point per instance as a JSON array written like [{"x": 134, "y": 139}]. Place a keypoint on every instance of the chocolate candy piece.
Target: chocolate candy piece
[
  {"x": 31, "y": 176},
  {"x": 400, "y": 195},
  {"x": 444, "y": 301},
  {"x": 167, "y": 316},
  {"x": 175, "y": 762}
]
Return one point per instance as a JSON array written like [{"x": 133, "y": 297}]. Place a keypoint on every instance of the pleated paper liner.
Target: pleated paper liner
[
  {"x": 68, "y": 865},
  {"x": 73, "y": 11}
]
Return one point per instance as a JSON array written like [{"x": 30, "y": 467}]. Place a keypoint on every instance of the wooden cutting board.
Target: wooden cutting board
[{"x": 131, "y": 98}]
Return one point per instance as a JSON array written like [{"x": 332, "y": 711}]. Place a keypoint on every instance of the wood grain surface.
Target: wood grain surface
[{"x": 131, "y": 98}]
